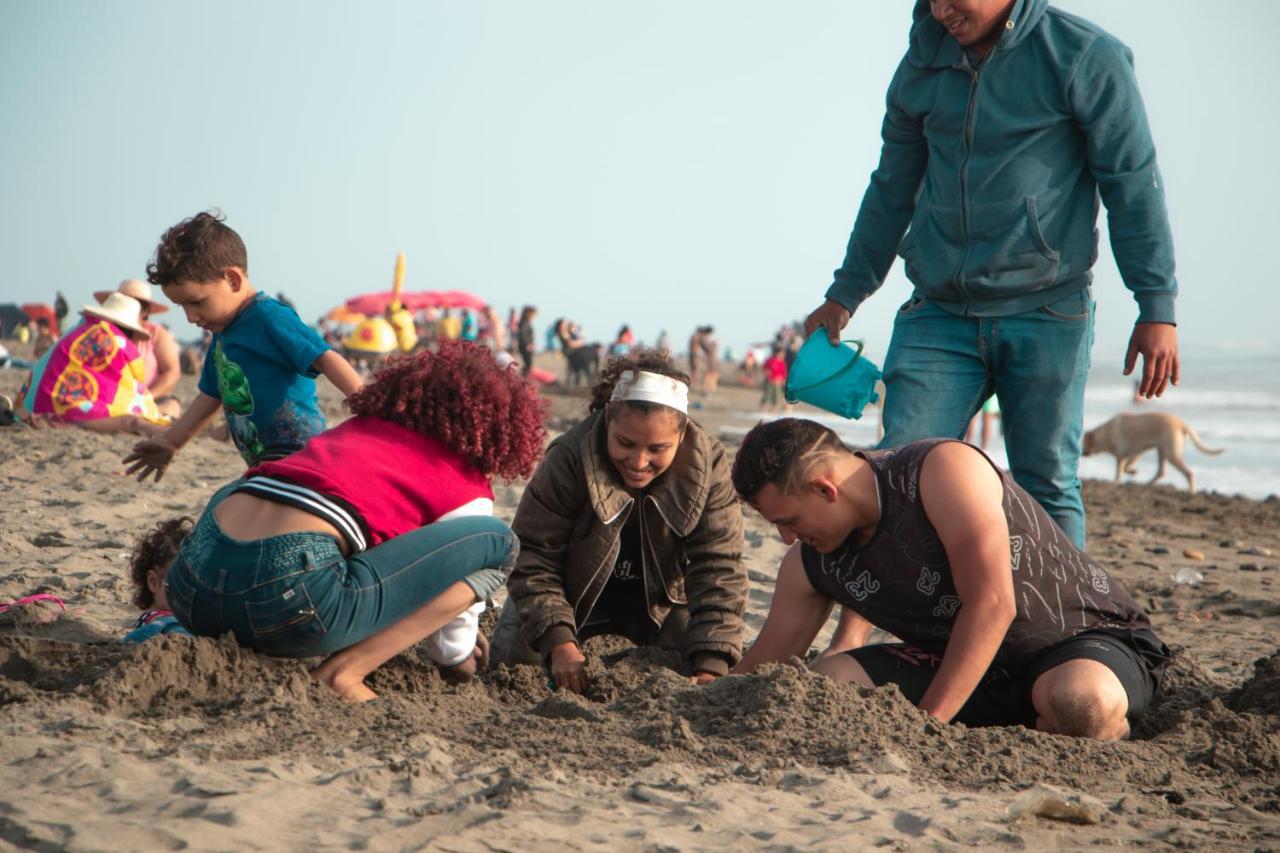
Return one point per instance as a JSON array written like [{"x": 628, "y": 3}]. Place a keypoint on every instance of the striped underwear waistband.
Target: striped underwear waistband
[{"x": 333, "y": 510}]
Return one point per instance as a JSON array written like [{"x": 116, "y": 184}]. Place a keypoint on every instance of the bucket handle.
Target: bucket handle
[{"x": 857, "y": 353}]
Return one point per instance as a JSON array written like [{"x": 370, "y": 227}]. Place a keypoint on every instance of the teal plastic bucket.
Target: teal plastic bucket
[{"x": 832, "y": 377}]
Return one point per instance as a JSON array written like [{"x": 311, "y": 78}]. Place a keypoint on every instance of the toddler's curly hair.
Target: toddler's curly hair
[
  {"x": 198, "y": 250},
  {"x": 155, "y": 549},
  {"x": 488, "y": 414}
]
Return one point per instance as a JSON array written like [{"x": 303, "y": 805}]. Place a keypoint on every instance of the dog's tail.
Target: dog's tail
[{"x": 1195, "y": 439}]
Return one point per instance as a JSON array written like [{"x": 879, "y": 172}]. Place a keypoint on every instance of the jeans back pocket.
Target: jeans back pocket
[
  {"x": 286, "y": 623},
  {"x": 180, "y": 591}
]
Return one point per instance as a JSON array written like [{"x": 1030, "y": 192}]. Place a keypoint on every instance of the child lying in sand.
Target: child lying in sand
[
  {"x": 630, "y": 526},
  {"x": 152, "y": 555},
  {"x": 377, "y": 534}
]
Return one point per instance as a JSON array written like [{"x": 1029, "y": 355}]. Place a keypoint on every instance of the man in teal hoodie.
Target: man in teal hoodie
[{"x": 1006, "y": 121}]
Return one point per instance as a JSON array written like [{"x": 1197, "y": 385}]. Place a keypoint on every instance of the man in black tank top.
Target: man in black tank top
[{"x": 1003, "y": 621}]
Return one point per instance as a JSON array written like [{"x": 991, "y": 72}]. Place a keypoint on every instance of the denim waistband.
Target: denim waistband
[{"x": 220, "y": 564}]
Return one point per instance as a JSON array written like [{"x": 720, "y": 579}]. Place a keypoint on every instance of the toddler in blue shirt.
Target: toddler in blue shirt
[{"x": 262, "y": 360}]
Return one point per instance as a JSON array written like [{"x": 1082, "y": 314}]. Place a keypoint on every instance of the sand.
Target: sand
[{"x": 183, "y": 743}]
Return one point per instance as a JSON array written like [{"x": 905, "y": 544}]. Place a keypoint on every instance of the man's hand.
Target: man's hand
[
  {"x": 830, "y": 315},
  {"x": 1158, "y": 345},
  {"x": 150, "y": 457},
  {"x": 701, "y": 676},
  {"x": 568, "y": 667}
]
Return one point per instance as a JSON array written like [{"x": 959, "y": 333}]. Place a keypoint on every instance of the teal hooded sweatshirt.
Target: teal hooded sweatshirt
[{"x": 997, "y": 168}]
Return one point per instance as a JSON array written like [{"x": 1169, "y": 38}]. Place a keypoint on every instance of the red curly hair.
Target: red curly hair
[{"x": 489, "y": 415}]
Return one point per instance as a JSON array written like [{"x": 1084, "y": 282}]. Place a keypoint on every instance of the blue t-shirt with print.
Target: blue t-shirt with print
[{"x": 260, "y": 368}]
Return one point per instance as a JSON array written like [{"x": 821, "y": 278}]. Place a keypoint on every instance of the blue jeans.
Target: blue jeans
[
  {"x": 940, "y": 368},
  {"x": 295, "y": 595}
]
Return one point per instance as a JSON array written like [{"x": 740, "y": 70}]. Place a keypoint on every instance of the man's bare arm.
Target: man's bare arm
[
  {"x": 850, "y": 633},
  {"x": 796, "y": 615},
  {"x": 964, "y": 500}
]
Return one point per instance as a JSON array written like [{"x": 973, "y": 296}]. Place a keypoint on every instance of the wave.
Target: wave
[{"x": 1122, "y": 395}]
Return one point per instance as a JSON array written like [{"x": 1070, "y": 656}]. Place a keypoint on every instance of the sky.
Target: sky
[{"x": 663, "y": 164}]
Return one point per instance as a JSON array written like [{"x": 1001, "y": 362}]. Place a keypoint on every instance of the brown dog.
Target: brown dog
[{"x": 1126, "y": 437}]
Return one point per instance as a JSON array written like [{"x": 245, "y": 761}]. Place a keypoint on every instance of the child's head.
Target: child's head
[
  {"x": 42, "y": 325},
  {"x": 201, "y": 265},
  {"x": 489, "y": 415},
  {"x": 644, "y": 397},
  {"x": 152, "y": 555}
]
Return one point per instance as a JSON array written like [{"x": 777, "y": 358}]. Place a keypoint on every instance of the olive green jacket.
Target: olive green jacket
[{"x": 570, "y": 522}]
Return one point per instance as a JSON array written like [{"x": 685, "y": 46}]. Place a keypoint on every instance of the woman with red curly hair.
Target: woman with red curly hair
[{"x": 376, "y": 535}]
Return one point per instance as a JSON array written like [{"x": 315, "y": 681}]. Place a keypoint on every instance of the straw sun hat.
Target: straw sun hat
[
  {"x": 136, "y": 288},
  {"x": 124, "y": 311}
]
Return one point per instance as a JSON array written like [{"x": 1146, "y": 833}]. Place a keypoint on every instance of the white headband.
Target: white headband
[{"x": 648, "y": 387}]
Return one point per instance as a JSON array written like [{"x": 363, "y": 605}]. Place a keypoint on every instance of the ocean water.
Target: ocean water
[{"x": 1230, "y": 397}]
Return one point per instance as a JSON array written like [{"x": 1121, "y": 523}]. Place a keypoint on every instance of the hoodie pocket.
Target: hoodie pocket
[
  {"x": 932, "y": 251},
  {"x": 1008, "y": 253}
]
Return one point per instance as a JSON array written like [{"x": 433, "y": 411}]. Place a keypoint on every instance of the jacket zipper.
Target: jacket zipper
[
  {"x": 671, "y": 527},
  {"x": 644, "y": 565},
  {"x": 969, "y": 119},
  {"x": 608, "y": 562}
]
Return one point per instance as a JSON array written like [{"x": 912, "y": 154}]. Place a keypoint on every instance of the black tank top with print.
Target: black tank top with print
[{"x": 901, "y": 582}]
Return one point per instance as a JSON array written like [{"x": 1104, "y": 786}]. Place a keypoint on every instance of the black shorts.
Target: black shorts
[{"x": 1003, "y": 697}]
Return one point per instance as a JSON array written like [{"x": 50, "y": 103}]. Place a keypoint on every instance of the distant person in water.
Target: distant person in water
[
  {"x": 1002, "y": 620},
  {"x": 629, "y": 526}
]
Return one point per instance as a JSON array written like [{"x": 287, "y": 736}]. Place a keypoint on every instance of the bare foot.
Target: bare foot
[{"x": 348, "y": 689}]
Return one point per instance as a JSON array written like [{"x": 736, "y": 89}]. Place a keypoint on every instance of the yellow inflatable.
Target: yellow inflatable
[
  {"x": 384, "y": 335},
  {"x": 372, "y": 336},
  {"x": 406, "y": 335}
]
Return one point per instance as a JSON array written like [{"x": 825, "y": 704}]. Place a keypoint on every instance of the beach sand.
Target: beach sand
[{"x": 183, "y": 743}]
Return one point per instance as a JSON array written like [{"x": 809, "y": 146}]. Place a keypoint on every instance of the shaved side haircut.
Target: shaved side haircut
[{"x": 782, "y": 452}]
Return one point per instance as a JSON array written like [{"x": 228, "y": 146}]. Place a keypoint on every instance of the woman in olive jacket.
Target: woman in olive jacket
[{"x": 629, "y": 526}]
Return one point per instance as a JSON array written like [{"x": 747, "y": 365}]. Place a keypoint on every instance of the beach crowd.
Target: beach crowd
[{"x": 350, "y": 543}]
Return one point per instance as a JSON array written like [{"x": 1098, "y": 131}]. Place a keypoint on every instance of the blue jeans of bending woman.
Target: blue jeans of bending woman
[
  {"x": 940, "y": 368},
  {"x": 295, "y": 595}
]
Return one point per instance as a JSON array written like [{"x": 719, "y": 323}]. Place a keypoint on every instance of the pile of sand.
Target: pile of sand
[
  {"x": 1200, "y": 739},
  {"x": 196, "y": 742}
]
